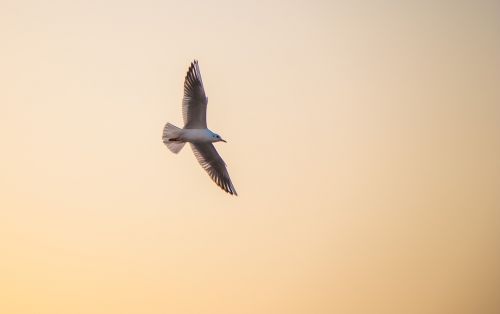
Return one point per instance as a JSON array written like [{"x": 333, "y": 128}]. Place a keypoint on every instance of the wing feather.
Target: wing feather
[
  {"x": 194, "y": 102},
  {"x": 211, "y": 161}
]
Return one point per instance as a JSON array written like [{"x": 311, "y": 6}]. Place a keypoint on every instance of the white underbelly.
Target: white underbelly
[{"x": 196, "y": 135}]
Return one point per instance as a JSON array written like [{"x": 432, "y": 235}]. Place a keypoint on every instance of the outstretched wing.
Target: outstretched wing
[
  {"x": 194, "y": 103},
  {"x": 211, "y": 161}
]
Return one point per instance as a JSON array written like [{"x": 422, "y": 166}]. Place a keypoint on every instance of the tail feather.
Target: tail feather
[{"x": 170, "y": 138}]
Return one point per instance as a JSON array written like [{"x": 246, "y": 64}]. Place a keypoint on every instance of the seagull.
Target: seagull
[{"x": 196, "y": 133}]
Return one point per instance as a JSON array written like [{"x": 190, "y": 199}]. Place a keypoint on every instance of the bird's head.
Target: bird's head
[{"x": 217, "y": 138}]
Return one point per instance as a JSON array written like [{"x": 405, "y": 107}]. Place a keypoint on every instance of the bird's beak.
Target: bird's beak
[{"x": 223, "y": 140}]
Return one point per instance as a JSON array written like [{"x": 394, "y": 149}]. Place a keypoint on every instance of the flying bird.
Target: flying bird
[{"x": 196, "y": 132}]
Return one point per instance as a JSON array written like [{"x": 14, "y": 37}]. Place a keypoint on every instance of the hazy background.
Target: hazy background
[{"x": 363, "y": 139}]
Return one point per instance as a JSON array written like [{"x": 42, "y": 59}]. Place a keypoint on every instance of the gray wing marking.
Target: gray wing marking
[
  {"x": 210, "y": 160},
  {"x": 194, "y": 102}
]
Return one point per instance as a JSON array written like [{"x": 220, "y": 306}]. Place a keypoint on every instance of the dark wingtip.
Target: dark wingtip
[
  {"x": 231, "y": 190},
  {"x": 191, "y": 70}
]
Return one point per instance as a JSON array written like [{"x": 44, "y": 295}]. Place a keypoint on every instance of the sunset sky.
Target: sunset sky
[{"x": 363, "y": 140}]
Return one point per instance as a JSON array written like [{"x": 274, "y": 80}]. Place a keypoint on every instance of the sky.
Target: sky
[{"x": 363, "y": 140}]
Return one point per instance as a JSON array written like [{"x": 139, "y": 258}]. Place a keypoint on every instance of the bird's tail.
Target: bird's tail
[{"x": 170, "y": 137}]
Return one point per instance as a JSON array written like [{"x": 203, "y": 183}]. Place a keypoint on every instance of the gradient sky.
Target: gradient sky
[{"x": 363, "y": 140}]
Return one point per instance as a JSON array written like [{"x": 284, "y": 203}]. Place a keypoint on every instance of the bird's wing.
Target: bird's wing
[
  {"x": 211, "y": 161},
  {"x": 194, "y": 103}
]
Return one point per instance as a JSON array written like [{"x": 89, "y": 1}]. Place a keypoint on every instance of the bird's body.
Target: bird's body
[
  {"x": 197, "y": 136},
  {"x": 196, "y": 132}
]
